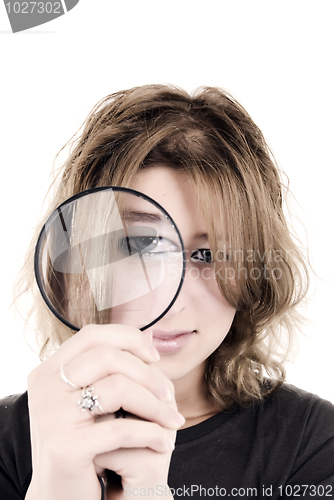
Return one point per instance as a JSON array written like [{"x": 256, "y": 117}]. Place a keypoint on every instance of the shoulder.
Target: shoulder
[
  {"x": 14, "y": 420},
  {"x": 290, "y": 406},
  {"x": 287, "y": 438},
  {"x": 13, "y": 405},
  {"x": 14, "y": 416},
  {"x": 290, "y": 422},
  {"x": 14, "y": 423},
  {"x": 293, "y": 402},
  {"x": 15, "y": 447},
  {"x": 303, "y": 423}
]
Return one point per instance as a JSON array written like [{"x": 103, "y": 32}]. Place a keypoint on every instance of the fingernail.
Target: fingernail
[
  {"x": 154, "y": 353},
  {"x": 179, "y": 419},
  {"x": 165, "y": 394}
]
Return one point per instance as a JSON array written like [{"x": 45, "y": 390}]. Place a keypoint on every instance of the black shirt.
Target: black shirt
[{"x": 280, "y": 448}]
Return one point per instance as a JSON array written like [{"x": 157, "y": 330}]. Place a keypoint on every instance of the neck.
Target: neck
[{"x": 192, "y": 398}]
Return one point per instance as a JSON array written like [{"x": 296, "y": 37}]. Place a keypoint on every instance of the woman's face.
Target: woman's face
[{"x": 201, "y": 317}]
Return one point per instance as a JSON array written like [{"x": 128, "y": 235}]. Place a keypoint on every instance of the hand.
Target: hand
[
  {"x": 70, "y": 447},
  {"x": 142, "y": 470}
]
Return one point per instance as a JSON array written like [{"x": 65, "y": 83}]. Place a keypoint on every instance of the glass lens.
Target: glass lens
[{"x": 109, "y": 255}]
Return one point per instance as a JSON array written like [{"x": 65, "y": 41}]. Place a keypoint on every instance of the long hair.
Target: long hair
[{"x": 258, "y": 266}]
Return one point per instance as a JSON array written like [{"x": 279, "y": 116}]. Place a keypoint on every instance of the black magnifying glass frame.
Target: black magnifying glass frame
[{"x": 55, "y": 213}]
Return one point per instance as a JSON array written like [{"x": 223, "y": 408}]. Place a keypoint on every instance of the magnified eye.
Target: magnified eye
[
  {"x": 147, "y": 245},
  {"x": 202, "y": 255},
  {"x": 138, "y": 244}
]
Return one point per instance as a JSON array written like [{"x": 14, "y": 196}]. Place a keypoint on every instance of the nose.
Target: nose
[
  {"x": 178, "y": 305},
  {"x": 184, "y": 296}
]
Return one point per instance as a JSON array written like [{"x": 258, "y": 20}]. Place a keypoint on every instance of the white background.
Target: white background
[{"x": 276, "y": 57}]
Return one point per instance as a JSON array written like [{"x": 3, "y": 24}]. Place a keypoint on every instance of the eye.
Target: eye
[
  {"x": 202, "y": 255},
  {"x": 147, "y": 245}
]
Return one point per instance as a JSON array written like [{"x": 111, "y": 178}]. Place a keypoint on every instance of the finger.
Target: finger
[
  {"x": 137, "y": 466},
  {"x": 104, "y": 360},
  {"x": 118, "y": 391},
  {"x": 120, "y": 336},
  {"x": 108, "y": 435}
]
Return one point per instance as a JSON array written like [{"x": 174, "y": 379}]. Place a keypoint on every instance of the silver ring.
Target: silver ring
[
  {"x": 65, "y": 379},
  {"x": 90, "y": 402}
]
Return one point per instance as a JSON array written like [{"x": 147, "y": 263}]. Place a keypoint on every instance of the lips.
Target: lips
[{"x": 171, "y": 342}]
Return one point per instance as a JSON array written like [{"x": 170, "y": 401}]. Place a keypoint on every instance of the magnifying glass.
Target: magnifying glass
[{"x": 110, "y": 255}]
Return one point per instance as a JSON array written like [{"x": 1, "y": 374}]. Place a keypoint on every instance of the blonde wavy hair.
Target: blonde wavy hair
[{"x": 258, "y": 266}]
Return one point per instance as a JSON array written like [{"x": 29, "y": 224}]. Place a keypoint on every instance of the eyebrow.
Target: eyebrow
[
  {"x": 138, "y": 216},
  {"x": 201, "y": 236}
]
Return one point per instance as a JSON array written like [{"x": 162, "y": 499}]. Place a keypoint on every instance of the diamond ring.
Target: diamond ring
[{"x": 90, "y": 402}]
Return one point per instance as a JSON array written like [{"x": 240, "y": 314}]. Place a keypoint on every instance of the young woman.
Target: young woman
[{"x": 209, "y": 373}]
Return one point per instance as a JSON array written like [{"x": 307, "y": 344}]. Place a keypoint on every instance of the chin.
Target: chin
[{"x": 176, "y": 370}]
